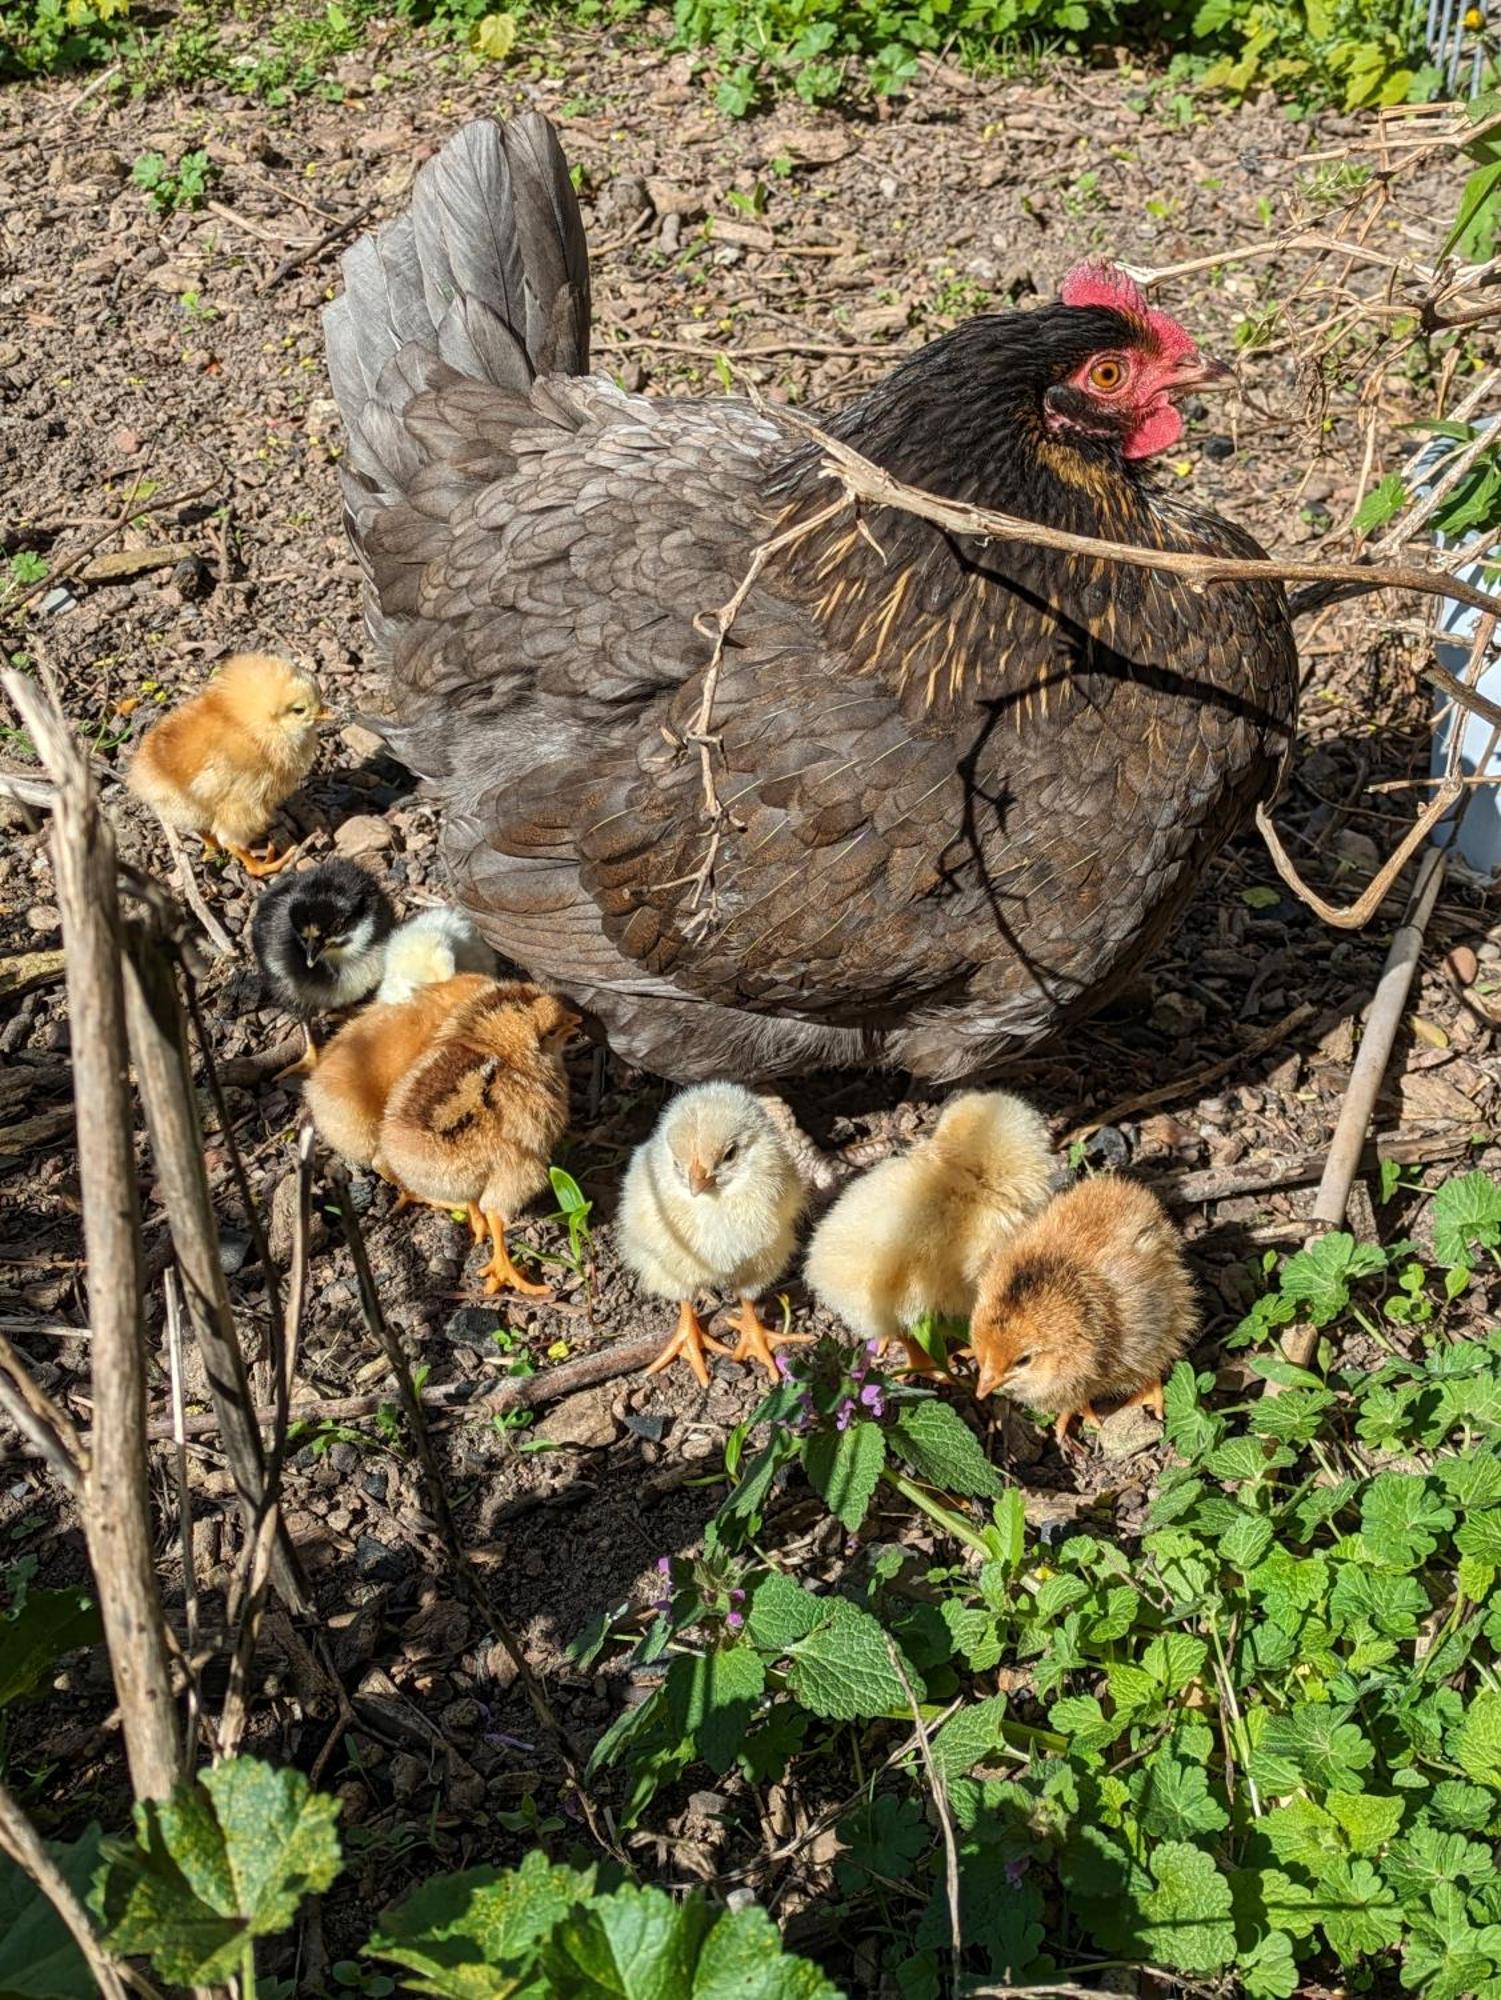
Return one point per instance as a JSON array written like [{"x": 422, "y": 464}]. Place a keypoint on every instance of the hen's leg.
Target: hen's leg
[
  {"x": 757, "y": 1340},
  {"x": 687, "y": 1344},
  {"x": 500, "y": 1273}
]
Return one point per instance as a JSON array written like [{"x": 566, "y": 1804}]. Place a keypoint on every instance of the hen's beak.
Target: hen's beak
[
  {"x": 700, "y": 1179},
  {"x": 1202, "y": 371}
]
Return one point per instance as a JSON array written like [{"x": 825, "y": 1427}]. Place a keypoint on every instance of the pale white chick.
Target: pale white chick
[
  {"x": 914, "y": 1235},
  {"x": 432, "y": 946},
  {"x": 711, "y": 1203}
]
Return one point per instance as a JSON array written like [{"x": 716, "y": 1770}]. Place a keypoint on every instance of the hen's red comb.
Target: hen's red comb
[
  {"x": 1109, "y": 285},
  {"x": 1104, "y": 285}
]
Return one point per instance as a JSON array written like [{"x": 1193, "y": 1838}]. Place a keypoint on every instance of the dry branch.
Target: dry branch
[
  {"x": 117, "y": 1502},
  {"x": 159, "y": 1042},
  {"x": 19, "y": 1839}
]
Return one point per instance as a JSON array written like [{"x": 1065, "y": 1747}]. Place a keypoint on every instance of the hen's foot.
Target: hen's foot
[
  {"x": 757, "y": 1341},
  {"x": 687, "y": 1344},
  {"x": 500, "y": 1274}
]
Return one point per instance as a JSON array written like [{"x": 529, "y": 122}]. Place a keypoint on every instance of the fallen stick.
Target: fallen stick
[
  {"x": 1366, "y": 1074},
  {"x": 1193, "y": 1185},
  {"x": 517, "y": 1392}
]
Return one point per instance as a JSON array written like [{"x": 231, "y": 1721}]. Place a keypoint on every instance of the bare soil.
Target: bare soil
[{"x": 148, "y": 358}]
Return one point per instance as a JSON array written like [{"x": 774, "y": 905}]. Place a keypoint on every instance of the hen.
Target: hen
[{"x": 967, "y": 785}]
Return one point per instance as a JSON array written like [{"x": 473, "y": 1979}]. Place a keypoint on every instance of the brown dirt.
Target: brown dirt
[{"x": 173, "y": 351}]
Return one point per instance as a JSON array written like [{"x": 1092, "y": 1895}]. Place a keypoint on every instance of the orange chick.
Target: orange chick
[
  {"x": 348, "y": 1092},
  {"x": 473, "y": 1123},
  {"x": 221, "y": 764},
  {"x": 1089, "y": 1302}
]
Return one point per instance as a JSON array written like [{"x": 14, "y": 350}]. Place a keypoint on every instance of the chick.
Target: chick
[
  {"x": 319, "y": 938},
  {"x": 221, "y": 764},
  {"x": 1089, "y": 1301},
  {"x": 711, "y": 1202},
  {"x": 473, "y": 1123},
  {"x": 914, "y": 1234},
  {"x": 348, "y": 1092},
  {"x": 433, "y": 945}
]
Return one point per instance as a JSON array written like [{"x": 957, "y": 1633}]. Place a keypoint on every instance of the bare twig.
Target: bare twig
[
  {"x": 187, "y": 882},
  {"x": 307, "y": 253},
  {"x": 132, "y": 510},
  {"x": 46, "y": 1427},
  {"x": 1366, "y": 1076},
  {"x": 1167, "y": 1093},
  {"x": 22, "y": 1843},
  {"x": 945, "y": 1817},
  {"x": 172, "y": 1292},
  {"x": 158, "y": 1036},
  {"x": 1376, "y": 891},
  {"x": 117, "y": 1509}
]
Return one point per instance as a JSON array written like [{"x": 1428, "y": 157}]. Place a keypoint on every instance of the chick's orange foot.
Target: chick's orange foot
[
  {"x": 260, "y": 865},
  {"x": 689, "y": 1339},
  {"x": 501, "y": 1274},
  {"x": 305, "y": 1064},
  {"x": 757, "y": 1341}
]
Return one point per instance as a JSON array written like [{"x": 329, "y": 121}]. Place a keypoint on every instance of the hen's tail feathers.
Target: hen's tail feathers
[{"x": 488, "y": 272}]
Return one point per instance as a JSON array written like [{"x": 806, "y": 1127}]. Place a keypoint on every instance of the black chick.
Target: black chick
[{"x": 319, "y": 938}]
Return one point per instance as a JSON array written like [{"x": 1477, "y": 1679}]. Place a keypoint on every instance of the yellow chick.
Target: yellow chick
[
  {"x": 221, "y": 764},
  {"x": 434, "y": 945},
  {"x": 913, "y": 1235},
  {"x": 348, "y": 1092},
  {"x": 711, "y": 1202},
  {"x": 1091, "y": 1301},
  {"x": 473, "y": 1123}
]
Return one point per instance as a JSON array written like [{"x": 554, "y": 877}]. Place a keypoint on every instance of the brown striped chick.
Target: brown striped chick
[
  {"x": 1090, "y": 1302},
  {"x": 912, "y": 1236},
  {"x": 221, "y": 763},
  {"x": 348, "y": 1092},
  {"x": 473, "y": 1123}
]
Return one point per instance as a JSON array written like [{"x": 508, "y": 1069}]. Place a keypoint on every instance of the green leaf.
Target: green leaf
[
  {"x": 1187, "y": 1915},
  {"x": 941, "y": 1448},
  {"x": 1477, "y": 1745},
  {"x": 843, "y": 1670},
  {"x": 637, "y": 1944},
  {"x": 844, "y": 1468},
  {"x": 1369, "y": 1821},
  {"x": 1467, "y": 1209},
  {"x": 1361, "y": 1914},
  {"x": 1384, "y": 500},
  {"x": 711, "y": 1698},
  {"x": 1268, "y": 1971},
  {"x": 1472, "y": 1479},
  {"x": 1080, "y": 1717},
  {"x": 780, "y": 1610},
  {"x": 1314, "y": 1743},
  {"x": 1417, "y": 1866},
  {"x": 1175, "y": 1659},
  {"x": 886, "y": 1837},
  {"x": 1395, "y": 1605},
  {"x": 975, "y": 1634},
  {"x": 1480, "y": 1537},
  {"x": 969, "y": 1736},
  {"x": 1261, "y": 896},
  {"x": 1319, "y": 1278},
  {"x": 1446, "y": 1957},
  {"x": 1174, "y": 1800},
  {"x": 1474, "y": 226},
  {"x": 1187, "y": 1425},
  {"x": 1402, "y": 1517},
  {"x": 45, "y": 1626},
  {"x": 460, "y": 1933},
  {"x": 226, "y": 1858},
  {"x": 38, "y": 1958},
  {"x": 1303, "y": 1835},
  {"x": 1467, "y": 1807}
]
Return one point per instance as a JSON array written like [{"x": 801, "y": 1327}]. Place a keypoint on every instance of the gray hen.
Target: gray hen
[{"x": 967, "y": 786}]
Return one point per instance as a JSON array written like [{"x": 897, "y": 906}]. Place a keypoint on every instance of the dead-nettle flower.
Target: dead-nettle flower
[
  {"x": 734, "y": 1620},
  {"x": 873, "y": 1397},
  {"x": 844, "y": 1413}
]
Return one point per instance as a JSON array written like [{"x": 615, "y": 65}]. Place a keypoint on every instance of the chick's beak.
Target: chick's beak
[
  {"x": 700, "y": 1178},
  {"x": 325, "y": 715},
  {"x": 989, "y": 1380}
]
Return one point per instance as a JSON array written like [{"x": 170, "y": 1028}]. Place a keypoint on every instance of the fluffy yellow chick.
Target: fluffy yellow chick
[
  {"x": 1091, "y": 1301},
  {"x": 221, "y": 764},
  {"x": 711, "y": 1203},
  {"x": 348, "y": 1092},
  {"x": 914, "y": 1234},
  {"x": 473, "y": 1123},
  {"x": 432, "y": 946}
]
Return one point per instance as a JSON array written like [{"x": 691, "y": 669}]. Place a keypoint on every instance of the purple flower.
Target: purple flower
[
  {"x": 661, "y": 1604},
  {"x": 734, "y": 1619},
  {"x": 873, "y": 1397},
  {"x": 737, "y": 1597},
  {"x": 784, "y": 1366},
  {"x": 874, "y": 1346},
  {"x": 843, "y": 1414},
  {"x": 664, "y": 1564}
]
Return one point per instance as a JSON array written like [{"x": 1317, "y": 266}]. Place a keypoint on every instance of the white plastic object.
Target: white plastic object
[{"x": 1477, "y": 843}]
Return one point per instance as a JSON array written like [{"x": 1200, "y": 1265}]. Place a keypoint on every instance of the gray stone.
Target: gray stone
[{"x": 584, "y": 1420}]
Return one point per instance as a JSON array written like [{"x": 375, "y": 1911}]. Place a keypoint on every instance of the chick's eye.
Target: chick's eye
[
  {"x": 1022, "y": 1361},
  {"x": 730, "y": 1151},
  {"x": 1107, "y": 374}
]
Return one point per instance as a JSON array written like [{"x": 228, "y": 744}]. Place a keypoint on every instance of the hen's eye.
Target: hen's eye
[{"x": 1107, "y": 375}]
